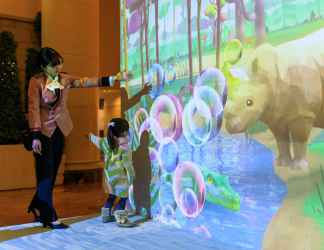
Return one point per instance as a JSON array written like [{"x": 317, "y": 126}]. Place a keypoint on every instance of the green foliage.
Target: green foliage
[
  {"x": 211, "y": 10},
  {"x": 11, "y": 117},
  {"x": 232, "y": 54},
  {"x": 233, "y": 82}
]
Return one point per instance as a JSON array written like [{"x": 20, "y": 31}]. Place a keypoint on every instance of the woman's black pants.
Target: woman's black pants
[{"x": 46, "y": 166}]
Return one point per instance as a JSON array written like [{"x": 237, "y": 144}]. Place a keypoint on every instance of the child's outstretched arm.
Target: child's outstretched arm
[
  {"x": 95, "y": 140},
  {"x": 106, "y": 81},
  {"x": 100, "y": 142}
]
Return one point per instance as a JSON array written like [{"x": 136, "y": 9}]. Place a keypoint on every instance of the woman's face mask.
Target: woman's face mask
[{"x": 53, "y": 70}]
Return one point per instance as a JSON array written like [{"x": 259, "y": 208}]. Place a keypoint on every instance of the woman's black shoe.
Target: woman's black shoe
[
  {"x": 55, "y": 226},
  {"x": 36, "y": 216}
]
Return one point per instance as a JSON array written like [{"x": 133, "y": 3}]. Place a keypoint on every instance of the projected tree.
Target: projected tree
[
  {"x": 259, "y": 22},
  {"x": 156, "y": 10},
  {"x": 213, "y": 11},
  {"x": 198, "y": 34},
  {"x": 175, "y": 4},
  {"x": 189, "y": 40},
  {"x": 163, "y": 13},
  {"x": 146, "y": 25},
  {"x": 125, "y": 40},
  {"x": 137, "y": 22},
  {"x": 242, "y": 15},
  {"x": 135, "y": 25}
]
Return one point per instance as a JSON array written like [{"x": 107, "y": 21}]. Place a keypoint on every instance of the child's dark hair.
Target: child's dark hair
[
  {"x": 49, "y": 56},
  {"x": 116, "y": 128}
]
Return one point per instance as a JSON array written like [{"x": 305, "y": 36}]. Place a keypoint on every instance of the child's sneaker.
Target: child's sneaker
[
  {"x": 106, "y": 215},
  {"x": 121, "y": 217}
]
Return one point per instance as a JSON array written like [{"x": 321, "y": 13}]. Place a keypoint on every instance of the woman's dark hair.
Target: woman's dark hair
[
  {"x": 116, "y": 128},
  {"x": 48, "y": 56}
]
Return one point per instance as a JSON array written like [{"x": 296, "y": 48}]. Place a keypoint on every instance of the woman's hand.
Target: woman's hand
[
  {"x": 123, "y": 76},
  {"x": 37, "y": 146}
]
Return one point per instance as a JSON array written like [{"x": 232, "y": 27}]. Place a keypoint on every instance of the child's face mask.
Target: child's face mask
[{"x": 123, "y": 141}]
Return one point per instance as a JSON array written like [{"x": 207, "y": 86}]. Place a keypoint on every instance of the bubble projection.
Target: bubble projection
[
  {"x": 213, "y": 101},
  {"x": 165, "y": 113},
  {"x": 215, "y": 79},
  {"x": 155, "y": 129},
  {"x": 189, "y": 189},
  {"x": 189, "y": 202},
  {"x": 140, "y": 122},
  {"x": 197, "y": 122},
  {"x": 169, "y": 154}
]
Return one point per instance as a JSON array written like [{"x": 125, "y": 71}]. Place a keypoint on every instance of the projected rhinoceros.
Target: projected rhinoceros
[{"x": 285, "y": 91}]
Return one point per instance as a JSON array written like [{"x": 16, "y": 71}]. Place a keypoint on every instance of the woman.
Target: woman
[{"x": 49, "y": 122}]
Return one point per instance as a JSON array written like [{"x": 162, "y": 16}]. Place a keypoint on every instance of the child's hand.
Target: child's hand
[{"x": 146, "y": 89}]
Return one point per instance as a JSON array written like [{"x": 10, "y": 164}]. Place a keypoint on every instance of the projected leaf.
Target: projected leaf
[
  {"x": 233, "y": 51},
  {"x": 211, "y": 9}
]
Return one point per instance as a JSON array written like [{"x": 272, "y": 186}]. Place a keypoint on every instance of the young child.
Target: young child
[{"x": 118, "y": 170}]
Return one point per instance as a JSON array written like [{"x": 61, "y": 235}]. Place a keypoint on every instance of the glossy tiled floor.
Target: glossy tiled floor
[{"x": 70, "y": 200}]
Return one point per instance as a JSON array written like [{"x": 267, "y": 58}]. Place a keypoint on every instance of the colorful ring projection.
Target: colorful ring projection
[
  {"x": 156, "y": 77},
  {"x": 141, "y": 122},
  {"x": 213, "y": 101},
  {"x": 166, "y": 110},
  {"x": 189, "y": 202},
  {"x": 197, "y": 122},
  {"x": 189, "y": 189},
  {"x": 215, "y": 79},
  {"x": 169, "y": 154},
  {"x": 155, "y": 129}
]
